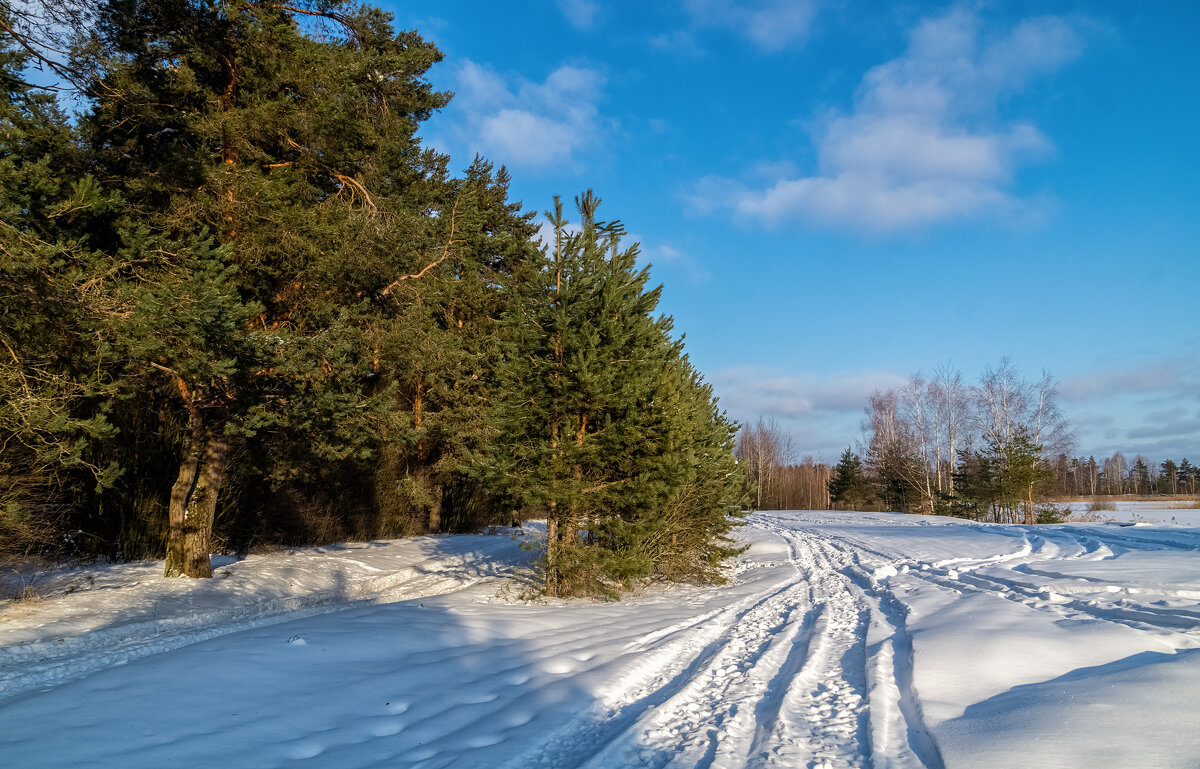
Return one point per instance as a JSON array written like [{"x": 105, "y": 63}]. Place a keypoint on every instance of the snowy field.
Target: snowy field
[
  {"x": 842, "y": 639},
  {"x": 1175, "y": 513}
]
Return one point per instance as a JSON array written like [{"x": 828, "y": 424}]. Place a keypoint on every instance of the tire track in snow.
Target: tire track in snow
[
  {"x": 820, "y": 719},
  {"x": 814, "y": 673},
  {"x": 707, "y": 718},
  {"x": 899, "y": 736},
  {"x": 1181, "y": 625},
  {"x": 654, "y": 714},
  {"x": 876, "y": 659}
]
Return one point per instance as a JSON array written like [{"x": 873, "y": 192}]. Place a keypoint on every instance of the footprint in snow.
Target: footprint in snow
[
  {"x": 385, "y": 726},
  {"x": 517, "y": 718},
  {"x": 305, "y": 749},
  {"x": 558, "y": 667}
]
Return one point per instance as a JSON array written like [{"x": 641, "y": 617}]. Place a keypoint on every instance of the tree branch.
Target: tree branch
[
  {"x": 356, "y": 188},
  {"x": 594, "y": 489},
  {"x": 445, "y": 255}
]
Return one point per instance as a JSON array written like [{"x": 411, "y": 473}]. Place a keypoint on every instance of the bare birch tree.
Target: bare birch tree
[{"x": 763, "y": 448}]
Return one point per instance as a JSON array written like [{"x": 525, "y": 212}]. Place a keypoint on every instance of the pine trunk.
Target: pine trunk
[
  {"x": 552, "y": 551},
  {"x": 435, "y": 510},
  {"x": 194, "y": 498}
]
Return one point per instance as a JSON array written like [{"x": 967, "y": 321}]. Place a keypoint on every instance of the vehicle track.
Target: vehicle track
[
  {"x": 815, "y": 672},
  {"x": 1180, "y": 625}
]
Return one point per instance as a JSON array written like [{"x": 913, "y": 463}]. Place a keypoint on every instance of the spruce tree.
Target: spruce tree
[{"x": 1187, "y": 476}]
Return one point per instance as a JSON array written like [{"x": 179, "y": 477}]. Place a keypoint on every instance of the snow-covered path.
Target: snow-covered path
[{"x": 842, "y": 640}]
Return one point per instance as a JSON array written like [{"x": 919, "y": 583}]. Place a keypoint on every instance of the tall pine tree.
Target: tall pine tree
[{"x": 274, "y": 189}]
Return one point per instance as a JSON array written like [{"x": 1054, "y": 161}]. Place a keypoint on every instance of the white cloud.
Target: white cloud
[
  {"x": 1176, "y": 376},
  {"x": 1137, "y": 404},
  {"x": 923, "y": 142},
  {"x": 753, "y": 392},
  {"x": 522, "y": 123},
  {"x": 677, "y": 41},
  {"x": 667, "y": 258},
  {"x": 581, "y": 14},
  {"x": 770, "y": 24},
  {"x": 823, "y": 414}
]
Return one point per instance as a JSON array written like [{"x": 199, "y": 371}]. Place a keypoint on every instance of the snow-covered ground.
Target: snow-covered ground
[
  {"x": 842, "y": 639},
  {"x": 1162, "y": 510}
]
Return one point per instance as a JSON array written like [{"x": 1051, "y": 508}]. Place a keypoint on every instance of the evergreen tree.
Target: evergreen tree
[
  {"x": 254, "y": 292},
  {"x": 977, "y": 487},
  {"x": 1004, "y": 481},
  {"x": 441, "y": 348},
  {"x": 1139, "y": 476},
  {"x": 603, "y": 426},
  {"x": 1023, "y": 474},
  {"x": 848, "y": 486},
  {"x": 51, "y": 391},
  {"x": 1168, "y": 479},
  {"x": 270, "y": 175},
  {"x": 1187, "y": 476}
]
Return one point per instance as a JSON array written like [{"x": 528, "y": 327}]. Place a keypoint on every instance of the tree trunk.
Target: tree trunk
[
  {"x": 552, "y": 551},
  {"x": 180, "y": 492},
  {"x": 194, "y": 498},
  {"x": 435, "y": 510}
]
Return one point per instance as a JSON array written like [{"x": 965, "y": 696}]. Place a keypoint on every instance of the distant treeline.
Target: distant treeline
[
  {"x": 780, "y": 482},
  {"x": 241, "y": 304},
  {"x": 1080, "y": 477},
  {"x": 996, "y": 451}
]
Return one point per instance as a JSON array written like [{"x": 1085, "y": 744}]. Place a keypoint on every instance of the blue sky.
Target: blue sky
[{"x": 838, "y": 194}]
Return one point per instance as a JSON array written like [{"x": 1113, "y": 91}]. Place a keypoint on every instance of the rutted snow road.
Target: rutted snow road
[
  {"x": 814, "y": 671},
  {"x": 842, "y": 640}
]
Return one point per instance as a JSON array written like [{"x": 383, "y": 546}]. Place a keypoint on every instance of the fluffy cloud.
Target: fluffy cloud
[
  {"x": 1174, "y": 376},
  {"x": 581, "y": 14},
  {"x": 923, "y": 142},
  {"x": 770, "y": 24},
  {"x": 665, "y": 258},
  {"x": 822, "y": 413},
  {"x": 526, "y": 124},
  {"x": 1151, "y": 407},
  {"x": 751, "y": 392}
]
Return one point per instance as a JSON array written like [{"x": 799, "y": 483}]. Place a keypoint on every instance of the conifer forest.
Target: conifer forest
[{"x": 242, "y": 305}]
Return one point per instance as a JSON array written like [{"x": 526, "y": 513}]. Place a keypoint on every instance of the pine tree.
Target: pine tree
[
  {"x": 275, "y": 189},
  {"x": 51, "y": 390},
  {"x": 1022, "y": 475},
  {"x": 1187, "y": 476},
  {"x": 848, "y": 486},
  {"x": 440, "y": 350},
  {"x": 603, "y": 426},
  {"x": 1139, "y": 476},
  {"x": 1168, "y": 479}
]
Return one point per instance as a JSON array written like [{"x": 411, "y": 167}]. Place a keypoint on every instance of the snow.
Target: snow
[
  {"x": 841, "y": 639},
  {"x": 1169, "y": 511}
]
